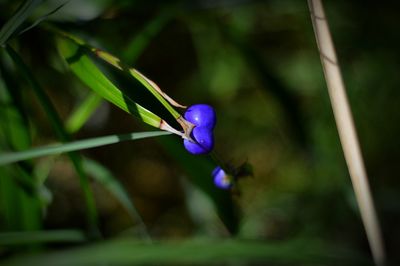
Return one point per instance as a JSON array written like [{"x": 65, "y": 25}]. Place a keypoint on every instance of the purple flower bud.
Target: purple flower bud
[
  {"x": 221, "y": 179},
  {"x": 204, "y": 118},
  {"x": 202, "y": 115},
  {"x": 204, "y": 141}
]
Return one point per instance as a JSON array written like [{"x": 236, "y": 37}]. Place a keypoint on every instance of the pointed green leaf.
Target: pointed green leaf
[
  {"x": 78, "y": 57},
  {"x": 163, "y": 98}
]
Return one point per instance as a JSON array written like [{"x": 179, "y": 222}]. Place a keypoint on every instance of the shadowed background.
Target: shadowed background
[{"x": 257, "y": 63}]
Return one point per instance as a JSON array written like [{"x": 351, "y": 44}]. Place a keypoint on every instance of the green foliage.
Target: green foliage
[
  {"x": 58, "y": 126},
  {"x": 78, "y": 57},
  {"x": 49, "y": 236},
  {"x": 67, "y": 69},
  {"x": 83, "y": 112},
  {"x": 11, "y": 26},
  {"x": 198, "y": 251}
]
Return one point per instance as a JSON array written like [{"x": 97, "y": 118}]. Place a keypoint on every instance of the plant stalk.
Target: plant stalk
[{"x": 346, "y": 129}]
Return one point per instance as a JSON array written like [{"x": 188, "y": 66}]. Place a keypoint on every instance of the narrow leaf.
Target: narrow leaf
[
  {"x": 17, "y": 19},
  {"x": 78, "y": 58},
  {"x": 162, "y": 97},
  {"x": 12, "y": 157}
]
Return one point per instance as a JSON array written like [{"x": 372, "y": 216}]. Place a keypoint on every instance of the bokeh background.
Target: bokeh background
[{"x": 257, "y": 63}]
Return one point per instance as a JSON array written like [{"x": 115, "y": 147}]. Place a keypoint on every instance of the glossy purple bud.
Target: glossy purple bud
[
  {"x": 202, "y": 115},
  {"x": 221, "y": 179},
  {"x": 204, "y": 141}
]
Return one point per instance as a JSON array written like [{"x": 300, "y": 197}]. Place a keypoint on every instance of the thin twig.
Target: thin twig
[{"x": 347, "y": 132}]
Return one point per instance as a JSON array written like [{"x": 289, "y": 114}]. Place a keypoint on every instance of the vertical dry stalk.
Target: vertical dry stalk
[{"x": 347, "y": 133}]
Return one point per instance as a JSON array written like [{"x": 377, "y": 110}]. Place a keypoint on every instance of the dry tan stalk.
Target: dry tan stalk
[{"x": 347, "y": 132}]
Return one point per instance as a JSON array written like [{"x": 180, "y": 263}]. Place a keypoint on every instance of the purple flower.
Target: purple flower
[
  {"x": 204, "y": 141},
  {"x": 202, "y": 115},
  {"x": 204, "y": 118},
  {"x": 221, "y": 179}
]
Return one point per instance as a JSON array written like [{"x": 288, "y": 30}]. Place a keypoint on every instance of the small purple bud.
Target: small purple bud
[
  {"x": 221, "y": 179},
  {"x": 202, "y": 115},
  {"x": 204, "y": 141}
]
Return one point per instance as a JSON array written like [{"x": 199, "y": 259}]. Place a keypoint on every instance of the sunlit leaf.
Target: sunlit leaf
[{"x": 78, "y": 57}]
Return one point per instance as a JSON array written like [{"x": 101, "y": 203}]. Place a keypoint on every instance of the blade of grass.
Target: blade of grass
[
  {"x": 12, "y": 157},
  {"x": 347, "y": 131},
  {"x": 17, "y": 19},
  {"x": 83, "y": 112},
  {"x": 62, "y": 134},
  {"x": 48, "y": 236},
  {"x": 105, "y": 178}
]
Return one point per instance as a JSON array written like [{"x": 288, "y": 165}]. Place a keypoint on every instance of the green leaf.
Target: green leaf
[
  {"x": 134, "y": 49},
  {"x": 152, "y": 87},
  {"x": 51, "y": 236},
  {"x": 12, "y": 157},
  {"x": 78, "y": 57},
  {"x": 17, "y": 19}
]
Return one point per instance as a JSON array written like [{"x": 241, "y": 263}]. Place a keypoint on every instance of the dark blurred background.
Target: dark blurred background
[{"x": 257, "y": 63}]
